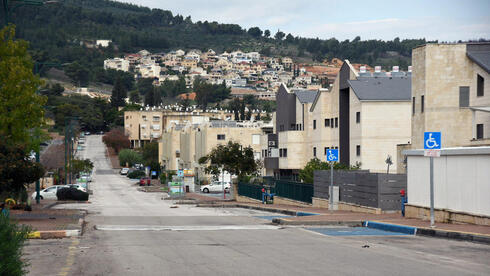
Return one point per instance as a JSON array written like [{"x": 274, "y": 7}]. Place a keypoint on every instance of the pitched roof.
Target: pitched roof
[
  {"x": 480, "y": 57},
  {"x": 382, "y": 89},
  {"x": 305, "y": 96}
]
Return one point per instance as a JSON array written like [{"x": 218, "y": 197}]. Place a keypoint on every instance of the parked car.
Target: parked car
[
  {"x": 87, "y": 133},
  {"x": 145, "y": 181},
  {"x": 49, "y": 193},
  {"x": 78, "y": 186},
  {"x": 216, "y": 186},
  {"x": 124, "y": 171}
]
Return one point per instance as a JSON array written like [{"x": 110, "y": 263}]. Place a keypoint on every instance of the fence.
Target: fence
[
  {"x": 377, "y": 190},
  {"x": 250, "y": 190},
  {"x": 294, "y": 190}
]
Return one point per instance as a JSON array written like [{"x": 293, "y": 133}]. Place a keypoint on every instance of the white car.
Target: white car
[
  {"x": 124, "y": 171},
  {"x": 78, "y": 187},
  {"x": 49, "y": 193},
  {"x": 216, "y": 186}
]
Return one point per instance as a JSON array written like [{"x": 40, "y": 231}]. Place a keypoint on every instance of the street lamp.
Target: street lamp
[{"x": 9, "y": 6}]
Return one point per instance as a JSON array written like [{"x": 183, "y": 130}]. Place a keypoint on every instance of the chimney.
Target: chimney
[
  {"x": 377, "y": 69},
  {"x": 396, "y": 69},
  {"x": 410, "y": 68},
  {"x": 362, "y": 69}
]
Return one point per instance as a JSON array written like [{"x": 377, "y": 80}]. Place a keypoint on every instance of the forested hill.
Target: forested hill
[{"x": 55, "y": 31}]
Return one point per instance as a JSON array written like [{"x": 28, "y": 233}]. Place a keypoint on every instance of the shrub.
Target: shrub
[
  {"x": 12, "y": 238},
  {"x": 136, "y": 174},
  {"x": 71, "y": 194},
  {"x": 130, "y": 157}
]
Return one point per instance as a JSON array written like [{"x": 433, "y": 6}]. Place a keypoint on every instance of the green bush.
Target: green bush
[
  {"x": 136, "y": 174},
  {"x": 130, "y": 157},
  {"x": 12, "y": 238}
]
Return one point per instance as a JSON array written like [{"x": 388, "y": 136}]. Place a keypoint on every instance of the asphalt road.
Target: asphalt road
[{"x": 135, "y": 233}]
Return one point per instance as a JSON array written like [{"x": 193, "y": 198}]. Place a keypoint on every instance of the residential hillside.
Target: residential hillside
[{"x": 63, "y": 31}]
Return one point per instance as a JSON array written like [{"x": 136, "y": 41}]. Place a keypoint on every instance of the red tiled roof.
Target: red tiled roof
[{"x": 190, "y": 96}]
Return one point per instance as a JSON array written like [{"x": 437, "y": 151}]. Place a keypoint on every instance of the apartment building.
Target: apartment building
[
  {"x": 365, "y": 115},
  {"x": 117, "y": 64},
  {"x": 182, "y": 145},
  {"x": 449, "y": 93}
]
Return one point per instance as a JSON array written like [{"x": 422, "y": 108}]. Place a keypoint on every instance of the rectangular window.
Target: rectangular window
[
  {"x": 413, "y": 105},
  {"x": 464, "y": 96},
  {"x": 337, "y": 122},
  {"x": 280, "y": 152},
  {"x": 314, "y": 151},
  {"x": 480, "y": 84},
  {"x": 285, "y": 152},
  {"x": 327, "y": 122},
  {"x": 358, "y": 150},
  {"x": 221, "y": 137},
  {"x": 422, "y": 104},
  {"x": 479, "y": 131},
  {"x": 255, "y": 139},
  {"x": 358, "y": 117},
  {"x": 293, "y": 126},
  {"x": 331, "y": 123},
  {"x": 336, "y": 147},
  {"x": 325, "y": 150},
  {"x": 314, "y": 124}
]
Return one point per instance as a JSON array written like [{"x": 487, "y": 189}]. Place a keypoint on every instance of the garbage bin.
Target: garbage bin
[{"x": 186, "y": 188}]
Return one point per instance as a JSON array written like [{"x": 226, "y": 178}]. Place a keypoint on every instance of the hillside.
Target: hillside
[{"x": 55, "y": 32}]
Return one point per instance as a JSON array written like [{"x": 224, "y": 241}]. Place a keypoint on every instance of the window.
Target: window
[
  {"x": 464, "y": 96},
  {"x": 358, "y": 117},
  {"x": 292, "y": 126},
  {"x": 331, "y": 123},
  {"x": 327, "y": 122},
  {"x": 144, "y": 117},
  {"x": 255, "y": 139},
  {"x": 337, "y": 122},
  {"x": 221, "y": 137},
  {"x": 479, "y": 131},
  {"x": 480, "y": 84},
  {"x": 280, "y": 152},
  {"x": 413, "y": 105},
  {"x": 422, "y": 104},
  {"x": 156, "y": 118},
  {"x": 325, "y": 150},
  {"x": 336, "y": 147},
  {"x": 358, "y": 150},
  {"x": 314, "y": 124},
  {"x": 314, "y": 151}
]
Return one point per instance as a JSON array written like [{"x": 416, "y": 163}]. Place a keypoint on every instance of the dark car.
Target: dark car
[{"x": 145, "y": 181}]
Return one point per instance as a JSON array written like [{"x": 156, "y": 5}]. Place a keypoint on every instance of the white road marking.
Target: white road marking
[{"x": 183, "y": 228}]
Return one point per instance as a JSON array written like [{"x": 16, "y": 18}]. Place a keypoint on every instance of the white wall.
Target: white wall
[{"x": 461, "y": 182}]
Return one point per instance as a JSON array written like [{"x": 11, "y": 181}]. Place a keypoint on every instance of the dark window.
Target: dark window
[
  {"x": 314, "y": 151},
  {"x": 358, "y": 117},
  {"x": 285, "y": 152},
  {"x": 413, "y": 105},
  {"x": 464, "y": 96},
  {"x": 325, "y": 150},
  {"x": 221, "y": 137},
  {"x": 480, "y": 84},
  {"x": 331, "y": 123},
  {"x": 337, "y": 122},
  {"x": 479, "y": 131},
  {"x": 280, "y": 152},
  {"x": 336, "y": 147},
  {"x": 422, "y": 104},
  {"x": 327, "y": 122},
  {"x": 292, "y": 126},
  {"x": 314, "y": 124},
  {"x": 358, "y": 150}
]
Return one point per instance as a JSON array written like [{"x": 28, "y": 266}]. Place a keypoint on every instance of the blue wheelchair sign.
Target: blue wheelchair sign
[
  {"x": 180, "y": 173},
  {"x": 332, "y": 155},
  {"x": 432, "y": 140}
]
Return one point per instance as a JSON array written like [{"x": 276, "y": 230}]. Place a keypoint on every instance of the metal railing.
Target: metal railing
[
  {"x": 294, "y": 190},
  {"x": 250, "y": 190}
]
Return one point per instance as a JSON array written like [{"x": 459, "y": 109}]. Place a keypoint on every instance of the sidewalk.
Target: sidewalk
[
  {"x": 50, "y": 223},
  {"x": 319, "y": 216}
]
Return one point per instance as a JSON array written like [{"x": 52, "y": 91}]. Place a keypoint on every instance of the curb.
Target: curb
[
  {"x": 348, "y": 223},
  {"x": 54, "y": 234},
  {"x": 244, "y": 206},
  {"x": 410, "y": 230},
  {"x": 429, "y": 232}
]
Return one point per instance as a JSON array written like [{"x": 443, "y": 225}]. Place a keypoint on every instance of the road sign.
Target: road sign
[
  {"x": 432, "y": 140},
  {"x": 180, "y": 173},
  {"x": 332, "y": 155},
  {"x": 432, "y": 153}
]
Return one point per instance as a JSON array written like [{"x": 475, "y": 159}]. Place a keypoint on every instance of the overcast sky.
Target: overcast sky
[{"x": 445, "y": 20}]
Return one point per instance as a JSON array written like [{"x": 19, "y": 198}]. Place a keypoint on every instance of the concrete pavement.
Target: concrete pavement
[{"x": 136, "y": 233}]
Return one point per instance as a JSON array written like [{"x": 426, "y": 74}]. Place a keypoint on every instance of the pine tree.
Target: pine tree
[{"x": 119, "y": 94}]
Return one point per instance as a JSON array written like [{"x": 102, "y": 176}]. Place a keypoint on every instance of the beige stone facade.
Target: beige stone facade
[{"x": 440, "y": 73}]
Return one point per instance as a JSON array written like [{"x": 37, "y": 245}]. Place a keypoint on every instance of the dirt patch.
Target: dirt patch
[{"x": 112, "y": 155}]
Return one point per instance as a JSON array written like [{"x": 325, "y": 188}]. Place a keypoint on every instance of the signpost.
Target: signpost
[
  {"x": 332, "y": 156},
  {"x": 432, "y": 148}
]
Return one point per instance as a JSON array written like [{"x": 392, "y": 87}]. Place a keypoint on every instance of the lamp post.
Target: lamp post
[{"x": 9, "y": 6}]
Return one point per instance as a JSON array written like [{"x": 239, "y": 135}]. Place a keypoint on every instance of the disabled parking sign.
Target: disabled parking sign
[
  {"x": 432, "y": 144},
  {"x": 332, "y": 155}
]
